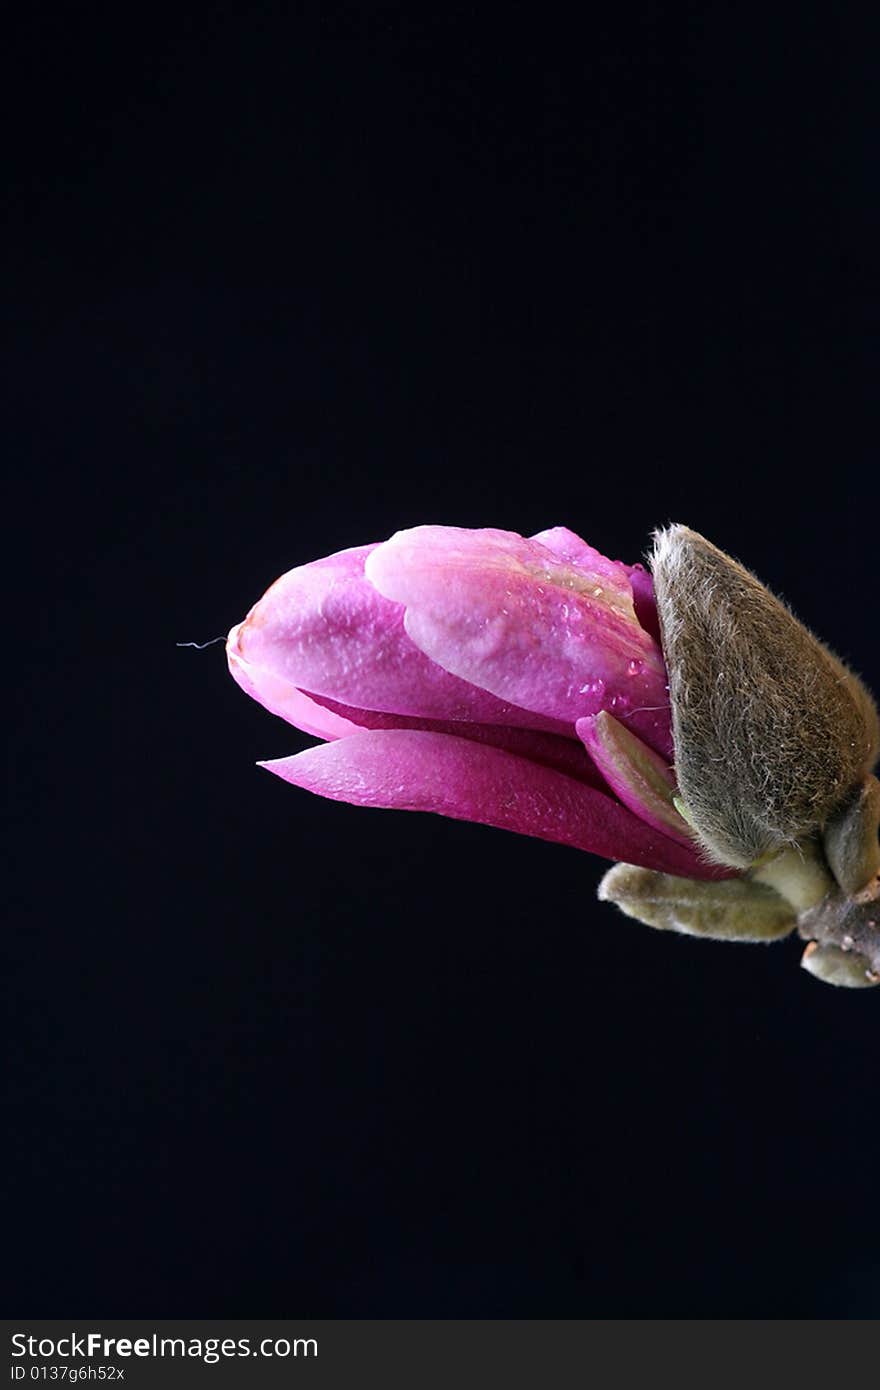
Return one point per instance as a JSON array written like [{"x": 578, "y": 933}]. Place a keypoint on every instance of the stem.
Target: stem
[{"x": 851, "y": 925}]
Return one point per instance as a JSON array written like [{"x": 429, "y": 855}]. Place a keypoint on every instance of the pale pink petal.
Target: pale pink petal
[
  {"x": 569, "y": 546},
  {"x": 509, "y": 615},
  {"x": 640, "y": 777},
  {"x": 417, "y": 771},
  {"x": 324, "y": 629},
  {"x": 285, "y": 700}
]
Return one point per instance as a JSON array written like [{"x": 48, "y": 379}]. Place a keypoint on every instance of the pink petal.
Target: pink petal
[
  {"x": 545, "y": 633},
  {"x": 416, "y": 771},
  {"x": 324, "y": 629},
  {"x": 285, "y": 700},
  {"x": 329, "y": 719},
  {"x": 643, "y": 780},
  {"x": 550, "y": 750},
  {"x": 569, "y": 546}
]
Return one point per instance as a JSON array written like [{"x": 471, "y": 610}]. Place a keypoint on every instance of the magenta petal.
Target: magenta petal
[
  {"x": 324, "y": 629},
  {"x": 508, "y": 614},
  {"x": 416, "y": 771},
  {"x": 566, "y": 755},
  {"x": 329, "y": 719},
  {"x": 644, "y": 601}
]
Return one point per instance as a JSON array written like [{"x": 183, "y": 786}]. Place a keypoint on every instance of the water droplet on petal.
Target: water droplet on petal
[
  {"x": 635, "y": 667},
  {"x": 596, "y": 687}
]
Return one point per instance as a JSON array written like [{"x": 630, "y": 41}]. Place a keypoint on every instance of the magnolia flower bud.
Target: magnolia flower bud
[{"x": 521, "y": 683}]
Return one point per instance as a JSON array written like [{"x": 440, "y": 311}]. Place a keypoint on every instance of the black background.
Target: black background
[{"x": 283, "y": 283}]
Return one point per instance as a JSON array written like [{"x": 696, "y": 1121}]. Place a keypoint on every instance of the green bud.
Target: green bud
[
  {"x": 838, "y": 967},
  {"x": 851, "y": 839},
  {"x": 846, "y": 927},
  {"x": 735, "y": 909}
]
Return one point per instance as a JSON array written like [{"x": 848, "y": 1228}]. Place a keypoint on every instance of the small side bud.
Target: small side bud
[
  {"x": 838, "y": 967},
  {"x": 735, "y": 909},
  {"x": 852, "y": 845},
  {"x": 771, "y": 730}
]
